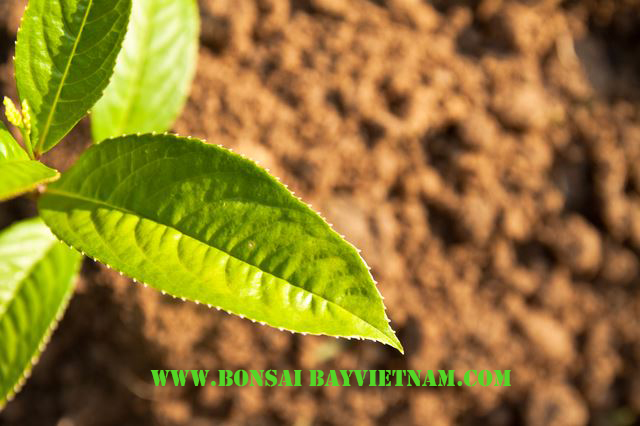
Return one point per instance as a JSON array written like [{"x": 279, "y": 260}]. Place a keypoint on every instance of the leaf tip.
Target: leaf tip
[{"x": 393, "y": 341}]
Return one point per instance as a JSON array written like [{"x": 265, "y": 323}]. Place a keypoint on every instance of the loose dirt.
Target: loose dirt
[{"x": 485, "y": 155}]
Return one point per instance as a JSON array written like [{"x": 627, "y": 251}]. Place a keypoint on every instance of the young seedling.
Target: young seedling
[{"x": 189, "y": 219}]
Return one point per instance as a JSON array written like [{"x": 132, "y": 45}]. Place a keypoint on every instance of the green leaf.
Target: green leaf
[
  {"x": 153, "y": 72},
  {"x": 19, "y": 174},
  {"x": 10, "y": 149},
  {"x": 202, "y": 223},
  {"x": 37, "y": 274},
  {"x": 65, "y": 55}
]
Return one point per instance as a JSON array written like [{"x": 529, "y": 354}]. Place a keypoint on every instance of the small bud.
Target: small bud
[
  {"x": 12, "y": 113},
  {"x": 26, "y": 116}
]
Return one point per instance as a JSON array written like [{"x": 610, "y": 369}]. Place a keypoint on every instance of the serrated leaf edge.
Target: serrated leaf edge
[
  {"x": 46, "y": 338},
  {"x": 65, "y": 74},
  {"x": 108, "y": 80},
  {"x": 395, "y": 339}
]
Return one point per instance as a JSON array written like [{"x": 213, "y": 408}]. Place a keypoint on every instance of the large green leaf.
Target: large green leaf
[
  {"x": 65, "y": 55},
  {"x": 18, "y": 173},
  {"x": 37, "y": 273},
  {"x": 202, "y": 223},
  {"x": 153, "y": 72}
]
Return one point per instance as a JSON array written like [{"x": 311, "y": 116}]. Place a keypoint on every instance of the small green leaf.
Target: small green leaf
[
  {"x": 10, "y": 149},
  {"x": 19, "y": 174},
  {"x": 36, "y": 281},
  {"x": 65, "y": 55},
  {"x": 153, "y": 72},
  {"x": 200, "y": 222}
]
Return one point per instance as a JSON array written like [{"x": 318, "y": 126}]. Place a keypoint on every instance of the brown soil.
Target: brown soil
[{"x": 485, "y": 155}]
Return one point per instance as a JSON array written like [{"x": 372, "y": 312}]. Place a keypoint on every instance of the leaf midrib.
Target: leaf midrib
[
  {"x": 65, "y": 74},
  {"x": 127, "y": 211}
]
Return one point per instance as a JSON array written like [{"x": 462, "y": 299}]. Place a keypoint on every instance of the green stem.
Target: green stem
[{"x": 27, "y": 143}]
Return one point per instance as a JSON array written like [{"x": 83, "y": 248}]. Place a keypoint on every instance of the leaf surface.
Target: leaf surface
[
  {"x": 10, "y": 149},
  {"x": 65, "y": 54},
  {"x": 153, "y": 72},
  {"x": 37, "y": 273},
  {"x": 18, "y": 173},
  {"x": 202, "y": 223}
]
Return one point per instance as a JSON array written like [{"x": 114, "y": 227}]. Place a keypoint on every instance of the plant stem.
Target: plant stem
[{"x": 27, "y": 143}]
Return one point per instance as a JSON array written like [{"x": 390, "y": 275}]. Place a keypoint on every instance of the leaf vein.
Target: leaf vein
[
  {"x": 291, "y": 284},
  {"x": 43, "y": 136}
]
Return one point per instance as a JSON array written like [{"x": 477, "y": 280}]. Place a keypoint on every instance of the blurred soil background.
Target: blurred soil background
[{"x": 485, "y": 155}]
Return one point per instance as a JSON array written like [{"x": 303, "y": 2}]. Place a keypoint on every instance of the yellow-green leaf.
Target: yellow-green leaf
[
  {"x": 153, "y": 72},
  {"x": 37, "y": 274},
  {"x": 200, "y": 222},
  {"x": 65, "y": 55},
  {"x": 18, "y": 173}
]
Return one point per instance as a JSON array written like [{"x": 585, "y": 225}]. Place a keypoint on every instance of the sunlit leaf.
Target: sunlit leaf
[
  {"x": 153, "y": 72},
  {"x": 37, "y": 274},
  {"x": 65, "y": 55},
  {"x": 199, "y": 222},
  {"x": 19, "y": 174}
]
